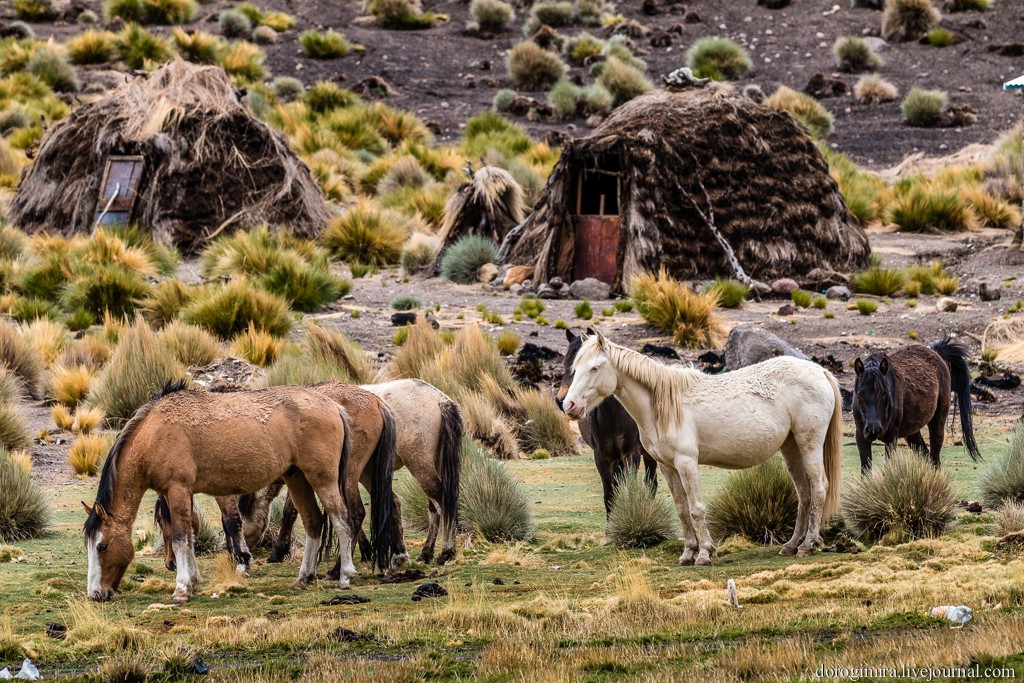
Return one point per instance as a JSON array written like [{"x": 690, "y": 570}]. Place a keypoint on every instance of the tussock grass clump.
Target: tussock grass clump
[
  {"x": 48, "y": 338},
  {"x": 461, "y": 261},
  {"x": 865, "y": 306},
  {"x": 256, "y": 347},
  {"x": 923, "y": 108},
  {"x": 758, "y": 504},
  {"x": 622, "y": 81},
  {"x": 244, "y": 61},
  {"x": 904, "y": 497},
  {"x": 804, "y": 109},
  {"x": 492, "y": 502},
  {"x": 583, "y": 310},
  {"x": 49, "y": 64},
  {"x": 718, "y": 58},
  {"x": 228, "y": 310},
  {"x": 91, "y": 47},
  {"x": 931, "y": 209},
  {"x": 419, "y": 252},
  {"x": 401, "y": 14},
  {"x": 69, "y": 386},
  {"x": 905, "y": 20},
  {"x": 189, "y": 344},
  {"x": 730, "y": 293},
  {"x": 675, "y": 308},
  {"x": 170, "y": 11},
  {"x": 13, "y": 433},
  {"x": 492, "y": 15},
  {"x": 27, "y": 309},
  {"x": 332, "y": 348},
  {"x": 24, "y": 511},
  {"x": 993, "y": 211},
  {"x": 554, "y": 13},
  {"x": 873, "y": 89},
  {"x": 87, "y": 453},
  {"x": 279, "y": 21},
  {"x": 406, "y": 302},
  {"x": 367, "y": 234},
  {"x": 287, "y": 88},
  {"x": 307, "y": 287},
  {"x": 106, "y": 287},
  {"x": 639, "y": 518},
  {"x": 508, "y": 342},
  {"x": 10, "y": 385},
  {"x": 18, "y": 355},
  {"x": 1010, "y": 518},
  {"x": 139, "y": 367},
  {"x": 35, "y": 10},
  {"x": 855, "y": 55},
  {"x": 327, "y": 45},
  {"x": 802, "y": 298},
  {"x": 879, "y": 281},
  {"x": 128, "y": 10},
  {"x": 62, "y": 417},
  {"x": 234, "y": 24},
  {"x": 545, "y": 426},
  {"x": 531, "y": 67},
  {"x": 198, "y": 47},
  {"x": 970, "y": 5},
  {"x": 87, "y": 420},
  {"x": 1003, "y": 479},
  {"x": 415, "y": 504},
  {"x": 139, "y": 48},
  {"x": 164, "y": 302},
  {"x": 941, "y": 37}
]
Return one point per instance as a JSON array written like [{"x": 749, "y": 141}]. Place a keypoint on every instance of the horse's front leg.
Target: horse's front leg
[
  {"x": 686, "y": 466},
  {"x": 231, "y": 521},
  {"x": 864, "y": 448},
  {"x": 675, "y": 486},
  {"x": 179, "y": 506}
]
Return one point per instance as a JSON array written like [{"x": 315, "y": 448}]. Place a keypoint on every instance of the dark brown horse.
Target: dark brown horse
[
  {"x": 897, "y": 394},
  {"x": 610, "y": 431}
]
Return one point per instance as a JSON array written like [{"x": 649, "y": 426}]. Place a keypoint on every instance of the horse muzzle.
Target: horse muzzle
[{"x": 574, "y": 409}]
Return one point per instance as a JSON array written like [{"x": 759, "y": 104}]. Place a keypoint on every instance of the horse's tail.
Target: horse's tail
[
  {"x": 327, "y": 537},
  {"x": 450, "y": 465},
  {"x": 833, "y": 450},
  {"x": 955, "y": 356},
  {"x": 382, "y": 506}
]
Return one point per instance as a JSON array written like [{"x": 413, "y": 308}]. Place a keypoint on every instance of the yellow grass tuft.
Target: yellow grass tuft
[
  {"x": 62, "y": 416},
  {"x": 87, "y": 420},
  {"x": 87, "y": 453},
  {"x": 21, "y": 458},
  {"x": 257, "y": 347},
  {"x": 675, "y": 308},
  {"x": 48, "y": 338},
  {"x": 70, "y": 385}
]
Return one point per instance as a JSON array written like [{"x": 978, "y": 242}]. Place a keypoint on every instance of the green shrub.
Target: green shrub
[
  {"x": 622, "y": 81},
  {"x": 49, "y": 65},
  {"x": 307, "y": 287},
  {"x": 508, "y": 342},
  {"x": 805, "y": 109},
  {"x": 639, "y": 518},
  {"x": 419, "y": 252},
  {"x": 492, "y": 15},
  {"x": 401, "y": 14},
  {"x": 406, "y": 302},
  {"x": 801, "y": 298},
  {"x": 491, "y": 501},
  {"x": 170, "y": 11},
  {"x": 257, "y": 347},
  {"x": 531, "y": 67},
  {"x": 189, "y": 344},
  {"x": 873, "y": 89},
  {"x": 941, "y": 37},
  {"x": 227, "y": 310},
  {"x": 91, "y": 47},
  {"x": 718, "y": 58},
  {"x": 564, "y": 98},
  {"x": 673, "y": 307},
  {"x": 1003, "y": 479},
  {"x": 503, "y": 99},
  {"x": 367, "y": 234},
  {"x": 583, "y": 310},
  {"x": 139, "y": 366},
  {"x": 329, "y": 45},
  {"x": 583, "y": 48},
  {"x": 922, "y": 209},
  {"x": 106, "y": 287},
  {"x": 904, "y": 497},
  {"x": 13, "y": 434},
  {"x": 908, "y": 19},
  {"x": 331, "y": 349},
  {"x": 20, "y": 357},
  {"x": 554, "y": 13},
  {"x": 461, "y": 261},
  {"x": 35, "y": 10},
  {"x": 759, "y": 504},
  {"x": 234, "y": 24},
  {"x": 730, "y": 293},
  {"x": 879, "y": 281},
  {"x": 545, "y": 425},
  {"x": 24, "y": 510},
  {"x": 855, "y": 55},
  {"x": 128, "y": 10},
  {"x": 137, "y": 46},
  {"x": 923, "y": 108},
  {"x": 970, "y": 5},
  {"x": 865, "y": 306}
]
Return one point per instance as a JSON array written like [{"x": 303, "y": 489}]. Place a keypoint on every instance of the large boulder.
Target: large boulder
[{"x": 750, "y": 344}]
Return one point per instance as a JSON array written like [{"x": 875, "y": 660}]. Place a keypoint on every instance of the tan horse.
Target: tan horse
[
  {"x": 429, "y": 432},
  {"x": 186, "y": 442}
]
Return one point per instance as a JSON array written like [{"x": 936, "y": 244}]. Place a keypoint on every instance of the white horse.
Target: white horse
[{"x": 736, "y": 420}]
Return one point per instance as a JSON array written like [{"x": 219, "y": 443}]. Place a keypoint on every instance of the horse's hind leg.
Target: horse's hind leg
[
  {"x": 283, "y": 545},
  {"x": 179, "y": 506},
  {"x": 433, "y": 527},
  {"x": 231, "y": 521},
  {"x": 683, "y": 509},
  {"x": 813, "y": 461},
  {"x": 312, "y": 521},
  {"x": 794, "y": 463},
  {"x": 917, "y": 444},
  {"x": 400, "y": 555},
  {"x": 937, "y": 433}
]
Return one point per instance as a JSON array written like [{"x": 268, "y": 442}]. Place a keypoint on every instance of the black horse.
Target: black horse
[
  {"x": 897, "y": 394},
  {"x": 611, "y": 432}
]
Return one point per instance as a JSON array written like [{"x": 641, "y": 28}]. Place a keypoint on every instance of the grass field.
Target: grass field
[{"x": 564, "y": 607}]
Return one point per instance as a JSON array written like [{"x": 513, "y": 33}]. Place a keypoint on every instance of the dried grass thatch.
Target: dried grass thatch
[
  {"x": 490, "y": 204},
  {"x": 210, "y": 165},
  {"x": 688, "y": 158}
]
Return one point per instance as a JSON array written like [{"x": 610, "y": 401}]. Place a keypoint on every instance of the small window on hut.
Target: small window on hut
[
  {"x": 118, "y": 189},
  {"x": 597, "y": 188}
]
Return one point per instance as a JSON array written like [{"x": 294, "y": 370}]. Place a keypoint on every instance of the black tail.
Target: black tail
[
  {"x": 450, "y": 465},
  {"x": 955, "y": 356},
  {"x": 161, "y": 514},
  {"x": 382, "y": 503},
  {"x": 245, "y": 504}
]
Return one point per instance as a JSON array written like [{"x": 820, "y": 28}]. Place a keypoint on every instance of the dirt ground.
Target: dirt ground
[{"x": 446, "y": 75}]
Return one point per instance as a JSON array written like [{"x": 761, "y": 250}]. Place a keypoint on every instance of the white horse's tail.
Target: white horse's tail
[{"x": 833, "y": 451}]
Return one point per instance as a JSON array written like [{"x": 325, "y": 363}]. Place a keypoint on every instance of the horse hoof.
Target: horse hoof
[
  {"x": 333, "y": 575},
  {"x": 300, "y": 585},
  {"x": 276, "y": 557},
  {"x": 179, "y": 599},
  {"x": 786, "y": 550},
  {"x": 425, "y": 558},
  {"x": 703, "y": 562},
  {"x": 685, "y": 560},
  {"x": 344, "y": 584},
  {"x": 397, "y": 562},
  {"x": 804, "y": 552},
  {"x": 445, "y": 557}
]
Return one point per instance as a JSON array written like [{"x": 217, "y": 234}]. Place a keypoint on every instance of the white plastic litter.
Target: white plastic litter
[
  {"x": 955, "y": 614},
  {"x": 28, "y": 671},
  {"x": 733, "y": 598},
  {"x": 5, "y": 674}
]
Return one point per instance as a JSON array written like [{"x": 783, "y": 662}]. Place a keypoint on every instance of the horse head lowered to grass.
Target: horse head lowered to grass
[
  {"x": 736, "y": 420},
  {"x": 899, "y": 393},
  {"x": 185, "y": 442}
]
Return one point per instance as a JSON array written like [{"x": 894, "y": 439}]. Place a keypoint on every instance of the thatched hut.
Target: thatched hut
[
  {"x": 490, "y": 204},
  {"x": 676, "y": 179},
  {"x": 177, "y": 153}
]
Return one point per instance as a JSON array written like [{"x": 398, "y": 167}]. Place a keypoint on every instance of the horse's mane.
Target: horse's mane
[
  {"x": 105, "y": 492},
  {"x": 667, "y": 383}
]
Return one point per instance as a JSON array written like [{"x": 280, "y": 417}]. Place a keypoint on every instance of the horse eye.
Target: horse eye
[
  {"x": 593, "y": 369},
  {"x": 102, "y": 547}
]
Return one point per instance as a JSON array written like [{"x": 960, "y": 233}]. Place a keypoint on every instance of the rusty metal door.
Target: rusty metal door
[
  {"x": 597, "y": 247},
  {"x": 118, "y": 190}
]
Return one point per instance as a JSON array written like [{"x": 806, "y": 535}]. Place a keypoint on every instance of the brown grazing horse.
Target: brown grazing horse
[
  {"x": 610, "y": 432},
  {"x": 185, "y": 442},
  {"x": 371, "y": 458},
  {"x": 429, "y": 434},
  {"x": 897, "y": 394}
]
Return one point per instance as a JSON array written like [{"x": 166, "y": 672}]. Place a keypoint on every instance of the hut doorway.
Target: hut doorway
[{"x": 597, "y": 220}]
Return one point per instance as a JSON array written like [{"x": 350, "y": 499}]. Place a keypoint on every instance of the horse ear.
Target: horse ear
[
  {"x": 591, "y": 331},
  {"x": 883, "y": 367},
  {"x": 858, "y": 366},
  {"x": 569, "y": 336},
  {"x": 600, "y": 339},
  {"x": 88, "y": 510},
  {"x": 101, "y": 511}
]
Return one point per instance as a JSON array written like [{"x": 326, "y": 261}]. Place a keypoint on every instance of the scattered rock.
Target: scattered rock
[
  {"x": 488, "y": 272},
  {"x": 987, "y": 293},
  {"x": 1006, "y": 381},
  {"x": 345, "y": 600},
  {"x": 692, "y": 17},
  {"x": 1006, "y": 49},
  {"x": 226, "y": 374},
  {"x": 840, "y": 292},
  {"x": 946, "y": 304},
  {"x": 57, "y": 631},
  {"x": 522, "y": 105},
  {"x": 546, "y": 291},
  {"x": 556, "y": 282},
  {"x": 749, "y": 344},
  {"x": 631, "y": 28},
  {"x": 785, "y": 286},
  {"x": 662, "y": 40},
  {"x": 774, "y": 4},
  {"x": 403, "y": 318},
  {"x": 344, "y": 635},
  {"x": 662, "y": 350},
  {"x": 650, "y": 7},
  {"x": 713, "y": 363},
  {"x": 875, "y": 43},
  {"x": 499, "y": 581},
  {"x": 844, "y": 544},
  {"x": 786, "y": 309},
  {"x": 973, "y": 506},
  {"x": 404, "y": 576},
  {"x": 822, "y": 87},
  {"x": 429, "y": 590},
  {"x": 373, "y": 88},
  {"x": 589, "y": 288},
  {"x": 517, "y": 275}
]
